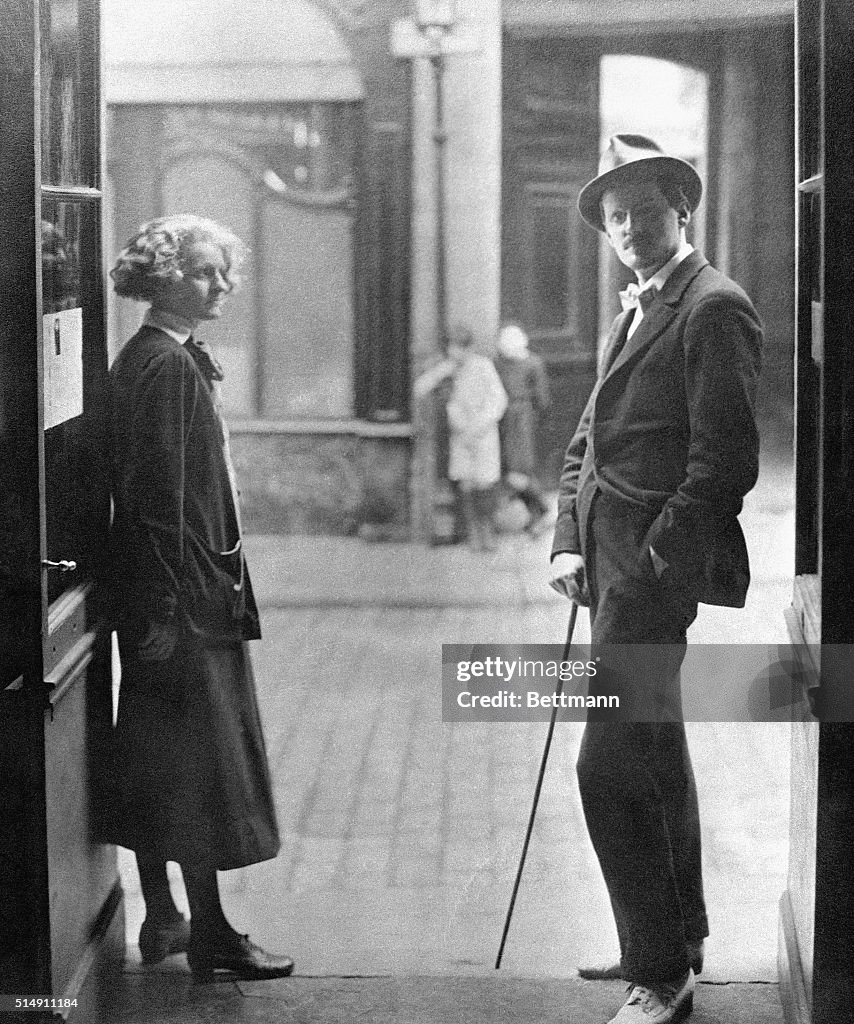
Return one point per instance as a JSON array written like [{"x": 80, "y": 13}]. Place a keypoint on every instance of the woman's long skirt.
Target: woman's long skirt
[{"x": 188, "y": 778}]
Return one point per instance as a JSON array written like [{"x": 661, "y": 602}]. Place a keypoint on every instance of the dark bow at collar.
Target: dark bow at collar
[{"x": 204, "y": 359}]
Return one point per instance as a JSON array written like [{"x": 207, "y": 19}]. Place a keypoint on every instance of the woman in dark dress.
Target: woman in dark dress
[
  {"x": 524, "y": 378},
  {"x": 189, "y": 778}
]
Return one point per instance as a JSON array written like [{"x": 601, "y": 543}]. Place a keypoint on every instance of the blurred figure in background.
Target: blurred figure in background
[
  {"x": 524, "y": 379},
  {"x": 476, "y": 405},
  {"x": 476, "y": 402}
]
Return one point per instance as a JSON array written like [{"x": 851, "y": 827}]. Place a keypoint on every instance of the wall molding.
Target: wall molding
[
  {"x": 589, "y": 17},
  {"x": 355, "y": 428},
  {"x": 232, "y": 83}
]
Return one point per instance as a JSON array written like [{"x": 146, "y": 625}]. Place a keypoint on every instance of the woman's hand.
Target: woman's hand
[{"x": 159, "y": 642}]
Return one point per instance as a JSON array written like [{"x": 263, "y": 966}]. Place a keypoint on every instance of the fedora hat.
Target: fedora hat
[{"x": 624, "y": 157}]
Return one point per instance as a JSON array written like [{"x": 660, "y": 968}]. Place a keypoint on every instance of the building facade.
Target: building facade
[{"x": 296, "y": 124}]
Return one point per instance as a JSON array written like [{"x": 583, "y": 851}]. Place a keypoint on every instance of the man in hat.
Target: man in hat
[{"x": 647, "y": 527}]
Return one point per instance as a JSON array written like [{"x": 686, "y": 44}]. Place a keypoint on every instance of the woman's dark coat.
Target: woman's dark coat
[
  {"x": 190, "y": 780},
  {"x": 527, "y": 390}
]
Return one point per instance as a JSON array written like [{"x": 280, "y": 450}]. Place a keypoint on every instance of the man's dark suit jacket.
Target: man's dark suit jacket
[{"x": 670, "y": 427}]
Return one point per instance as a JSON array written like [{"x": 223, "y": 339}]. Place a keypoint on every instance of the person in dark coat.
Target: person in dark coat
[
  {"x": 524, "y": 378},
  {"x": 189, "y": 780},
  {"x": 651, "y": 489}
]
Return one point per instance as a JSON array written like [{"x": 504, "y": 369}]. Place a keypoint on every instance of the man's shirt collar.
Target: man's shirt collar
[
  {"x": 657, "y": 282},
  {"x": 659, "y": 278}
]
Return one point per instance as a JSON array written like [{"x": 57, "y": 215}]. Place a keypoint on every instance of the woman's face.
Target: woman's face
[{"x": 201, "y": 293}]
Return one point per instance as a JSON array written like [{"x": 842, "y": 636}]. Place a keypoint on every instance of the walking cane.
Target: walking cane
[{"x": 570, "y": 629}]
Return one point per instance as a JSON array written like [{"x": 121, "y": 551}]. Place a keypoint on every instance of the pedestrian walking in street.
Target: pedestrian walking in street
[
  {"x": 647, "y": 527},
  {"x": 523, "y": 376},
  {"x": 188, "y": 779}
]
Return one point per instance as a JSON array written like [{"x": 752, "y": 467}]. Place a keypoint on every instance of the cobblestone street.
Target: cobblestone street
[{"x": 401, "y": 834}]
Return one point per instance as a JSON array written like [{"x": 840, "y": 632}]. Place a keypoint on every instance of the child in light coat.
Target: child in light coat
[{"x": 476, "y": 404}]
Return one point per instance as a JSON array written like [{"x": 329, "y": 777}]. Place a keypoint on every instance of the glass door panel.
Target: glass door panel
[
  {"x": 74, "y": 408},
  {"x": 68, "y": 94}
]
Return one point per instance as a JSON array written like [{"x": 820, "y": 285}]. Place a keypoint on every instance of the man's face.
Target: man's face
[
  {"x": 641, "y": 227},
  {"x": 201, "y": 292}
]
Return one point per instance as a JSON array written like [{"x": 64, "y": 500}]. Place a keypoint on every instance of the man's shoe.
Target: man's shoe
[
  {"x": 609, "y": 972},
  {"x": 238, "y": 955},
  {"x": 159, "y": 939},
  {"x": 664, "y": 1003}
]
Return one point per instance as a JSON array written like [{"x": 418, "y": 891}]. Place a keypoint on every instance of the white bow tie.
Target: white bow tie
[{"x": 635, "y": 296}]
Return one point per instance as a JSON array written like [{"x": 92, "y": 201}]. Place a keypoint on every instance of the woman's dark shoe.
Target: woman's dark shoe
[
  {"x": 159, "y": 939},
  {"x": 235, "y": 953}
]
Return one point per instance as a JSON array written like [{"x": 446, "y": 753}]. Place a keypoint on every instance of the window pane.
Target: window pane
[
  {"x": 60, "y": 257},
  {"x": 297, "y": 148},
  {"x": 282, "y": 176},
  {"x": 75, "y": 478},
  {"x": 306, "y": 298},
  {"x": 68, "y": 71}
]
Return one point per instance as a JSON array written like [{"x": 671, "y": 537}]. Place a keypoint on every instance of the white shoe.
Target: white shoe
[{"x": 660, "y": 1004}]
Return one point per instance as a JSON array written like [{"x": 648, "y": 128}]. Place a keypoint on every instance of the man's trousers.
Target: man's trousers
[{"x": 637, "y": 785}]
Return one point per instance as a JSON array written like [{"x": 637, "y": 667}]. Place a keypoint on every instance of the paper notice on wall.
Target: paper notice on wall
[{"x": 63, "y": 366}]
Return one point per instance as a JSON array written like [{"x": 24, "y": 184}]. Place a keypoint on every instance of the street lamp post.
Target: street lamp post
[
  {"x": 432, "y": 34},
  {"x": 440, "y": 139},
  {"x": 429, "y": 34}
]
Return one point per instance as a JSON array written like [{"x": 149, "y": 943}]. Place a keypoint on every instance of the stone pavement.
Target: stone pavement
[
  {"x": 498, "y": 999},
  {"x": 401, "y": 834}
]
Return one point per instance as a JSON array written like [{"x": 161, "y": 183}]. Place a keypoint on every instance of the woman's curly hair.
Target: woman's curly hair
[{"x": 159, "y": 250}]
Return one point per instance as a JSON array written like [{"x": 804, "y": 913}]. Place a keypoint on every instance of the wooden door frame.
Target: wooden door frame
[
  {"x": 817, "y": 909},
  {"x": 22, "y": 697},
  {"x": 50, "y": 719}
]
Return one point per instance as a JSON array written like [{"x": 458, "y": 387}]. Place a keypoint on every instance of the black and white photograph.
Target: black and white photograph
[{"x": 426, "y": 560}]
